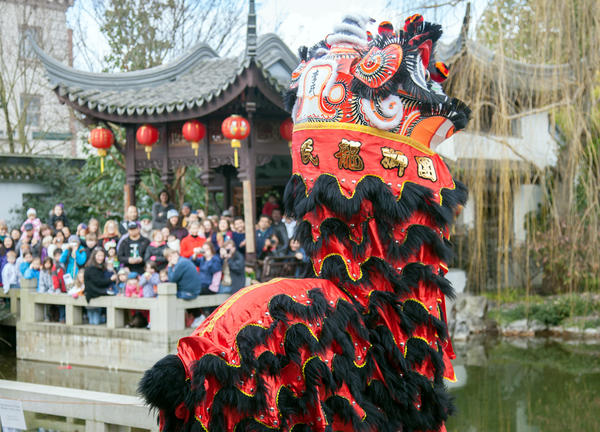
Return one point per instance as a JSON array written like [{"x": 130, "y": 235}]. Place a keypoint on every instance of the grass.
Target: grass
[{"x": 551, "y": 311}]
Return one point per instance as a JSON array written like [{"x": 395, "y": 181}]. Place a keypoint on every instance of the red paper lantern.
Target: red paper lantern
[
  {"x": 286, "y": 129},
  {"x": 194, "y": 131},
  {"x": 235, "y": 128},
  {"x": 101, "y": 139},
  {"x": 147, "y": 135}
]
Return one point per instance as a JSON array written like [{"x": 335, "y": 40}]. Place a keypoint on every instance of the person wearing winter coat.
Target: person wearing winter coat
[
  {"x": 234, "y": 265},
  {"x": 132, "y": 249},
  {"x": 209, "y": 264},
  {"x": 45, "y": 284},
  {"x": 10, "y": 272},
  {"x": 183, "y": 272},
  {"x": 97, "y": 282},
  {"x": 155, "y": 251},
  {"x": 74, "y": 256},
  {"x": 160, "y": 210}
]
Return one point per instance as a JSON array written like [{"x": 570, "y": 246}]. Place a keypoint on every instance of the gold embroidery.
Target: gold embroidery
[
  {"x": 394, "y": 159},
  {"x": 306, "y": 155},
  {"x": 425, "y": 168},
  {"x": 348, "y": 155}
]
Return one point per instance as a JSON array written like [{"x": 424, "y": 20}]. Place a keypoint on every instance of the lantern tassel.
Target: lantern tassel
[
  {"x": 195, "y": 145},
  {"x": 148, "y": 151},
  {"x": 102, "y": 153},
  {"x": 236, "y": 144}
]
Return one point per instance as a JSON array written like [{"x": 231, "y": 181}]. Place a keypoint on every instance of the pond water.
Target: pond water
[{"x": 533, "y": 385}]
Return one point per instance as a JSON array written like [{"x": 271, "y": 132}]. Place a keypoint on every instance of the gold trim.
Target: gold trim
[
  {"x": 366, "y": 130},
  {"x": 230, "y": 301}
]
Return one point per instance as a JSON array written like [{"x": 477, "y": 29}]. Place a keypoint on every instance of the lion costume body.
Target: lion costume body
[{"x": 363, "y": 344}]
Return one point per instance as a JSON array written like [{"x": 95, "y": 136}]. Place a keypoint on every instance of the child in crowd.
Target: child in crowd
[
  {"x": 91, "y": 241},
  {"x": 24, "y": 261},
  {"x": 73, "y": 256},
  {"x": 15, "y": 234},
  {"x": 81, "y": 232},
  {"x": 33, "y": 270},
  {"x": 132, "y": 288},
  {"x": 94, "y": 227},
  {"x": 78, "y": 286},
  {"x": 111, "y": 255},
  {"x": 57, "y": 243},
  {"x": 45, "y": 284},
  {"x": 173, "y": 242},
  {"x": 10, "y": 272},
  {"x": 155, "y": 250},
  {"x": 149, "y": 280},
  {"x": 163, "y": 275},
  {"x": 46, "y": 243},
  {"x": 58, "y": 273},
  {"x": 33, "y": 220},
  {"x": 122, "y": 280}
]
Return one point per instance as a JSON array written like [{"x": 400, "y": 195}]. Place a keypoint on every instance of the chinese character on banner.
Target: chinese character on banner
[
  {"x": 394, "y": 159},
  {"x": 348, "y": 155}
]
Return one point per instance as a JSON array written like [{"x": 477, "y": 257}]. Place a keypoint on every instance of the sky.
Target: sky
[{"x": 302, "y": 22}]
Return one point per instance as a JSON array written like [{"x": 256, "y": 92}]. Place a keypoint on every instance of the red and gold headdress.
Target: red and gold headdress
[{"x": 362, "y": 104}]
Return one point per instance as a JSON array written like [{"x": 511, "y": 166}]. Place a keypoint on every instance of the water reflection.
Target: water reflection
[
  {"x": 536, "y": 385},
  {"x": 527, "y": 386}
]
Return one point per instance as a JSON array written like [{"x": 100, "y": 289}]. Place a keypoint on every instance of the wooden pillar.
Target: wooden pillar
[
  {"x": 248, "y": 177},
  {"x": 166, "y": 173},
  {"x": 130, "y": 174},
  {"x": 206, "y": 176}
]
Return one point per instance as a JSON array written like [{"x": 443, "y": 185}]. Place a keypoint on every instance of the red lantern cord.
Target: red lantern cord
[
  {"x": 235, "y": 128},
  {"x": 101, "y": 139},
  {"x": 194, "y": 131},
  {"x": 147, "y": 135}
]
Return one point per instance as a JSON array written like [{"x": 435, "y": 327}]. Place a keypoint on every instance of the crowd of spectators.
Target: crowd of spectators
[{"x": 201, "y": 254}]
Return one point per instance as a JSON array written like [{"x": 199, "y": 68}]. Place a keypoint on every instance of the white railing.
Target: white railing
[
  {"x": 101, "y": 412},
  {"x": 167, "y": 312}
]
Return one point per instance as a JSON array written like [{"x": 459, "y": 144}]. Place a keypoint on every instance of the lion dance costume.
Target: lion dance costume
[{"x": 363, "y": 344}]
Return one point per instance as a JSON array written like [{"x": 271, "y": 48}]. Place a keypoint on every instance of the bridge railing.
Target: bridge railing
[
  {"x": 166, "y": 311},
  {"x": 101, "y": 412}
]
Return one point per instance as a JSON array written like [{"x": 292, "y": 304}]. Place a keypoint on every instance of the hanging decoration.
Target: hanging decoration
[
  {"x": 285, "y": 130},
  {"x": 235, "y": 128},
  {"x": 194, "y": 131},
  {"x": 101, "y": 139},
  {"x": 147, "y": 136}
]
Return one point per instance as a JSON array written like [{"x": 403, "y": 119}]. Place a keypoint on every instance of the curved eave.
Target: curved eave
[
  {"x": 271, "y": 49},
  {"x": 249, "y": 75},
  {"x": 61, "y": 75}
]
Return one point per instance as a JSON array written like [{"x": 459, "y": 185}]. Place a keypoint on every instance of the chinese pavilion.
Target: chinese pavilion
[{"x": 199, "y": 85}]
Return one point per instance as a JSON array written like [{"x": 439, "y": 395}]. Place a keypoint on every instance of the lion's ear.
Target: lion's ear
[{"x": 374, "y": 73}]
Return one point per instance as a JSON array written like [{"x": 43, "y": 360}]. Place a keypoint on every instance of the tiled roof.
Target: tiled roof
[{"x": 188, "y": 82}]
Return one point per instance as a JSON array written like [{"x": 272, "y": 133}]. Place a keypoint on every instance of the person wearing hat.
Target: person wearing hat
[
  {"x": 29, "y": 238},
  {"x": 160, "y": 210},
  {"x": 35, "y": 222},
  {"x": 174, "y": 225},
  {"x": 132, "y": 248}
]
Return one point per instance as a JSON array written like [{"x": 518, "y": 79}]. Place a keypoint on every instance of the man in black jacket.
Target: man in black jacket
[{"x": 132, "y": 249}]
